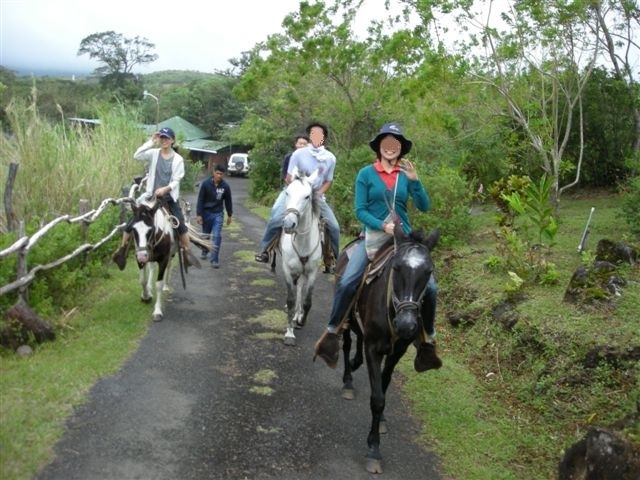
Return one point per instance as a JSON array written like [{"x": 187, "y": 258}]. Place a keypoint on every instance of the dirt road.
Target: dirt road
[{"x": 212, "y": 392}]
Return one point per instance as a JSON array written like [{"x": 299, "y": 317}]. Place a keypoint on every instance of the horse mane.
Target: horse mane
[
  {"x": 315, "y": 199},
  {"x": 417, "y": 236}
]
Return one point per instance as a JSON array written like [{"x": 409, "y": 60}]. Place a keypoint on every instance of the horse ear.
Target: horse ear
[
  {"x": 431, "y": 241},
  {"x": 398, "y": 233},
  {"x": 295, "y": 173}
]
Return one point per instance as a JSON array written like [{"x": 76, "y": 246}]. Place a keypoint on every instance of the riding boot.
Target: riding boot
[
  {"x": 427, "y": 358},
  {"x": 328, "y": 348},
  {"x": 119, "y": 257}
]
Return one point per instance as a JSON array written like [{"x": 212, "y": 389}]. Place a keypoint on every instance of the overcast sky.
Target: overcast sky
[{"x": 188, "y": 34}]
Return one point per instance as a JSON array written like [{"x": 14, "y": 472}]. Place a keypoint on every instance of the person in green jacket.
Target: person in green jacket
[{"x": 390, "y": 180}]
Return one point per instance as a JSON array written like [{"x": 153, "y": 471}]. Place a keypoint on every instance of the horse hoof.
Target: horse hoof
[
  {"x": 146, "y": 300},
  {"x": 157, "y": 318},
  {"x": 298, "y": 325},
  {"x": 382, "y": 429},
  {"x": 348, "y": 394},
  {"x": 290, "y": 341},
  {"x": 374, "y": 465}
]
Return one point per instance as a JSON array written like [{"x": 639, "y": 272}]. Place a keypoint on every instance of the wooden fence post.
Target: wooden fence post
[
  {"x": 21, "y": 264},
  {"x": 84, "y": 226},
  {"x": 8, "y": 194},
  {"x": 123, "y": 207}
]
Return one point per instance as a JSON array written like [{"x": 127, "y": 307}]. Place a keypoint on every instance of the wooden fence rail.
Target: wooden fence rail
[{"x": 25, "y": 243}]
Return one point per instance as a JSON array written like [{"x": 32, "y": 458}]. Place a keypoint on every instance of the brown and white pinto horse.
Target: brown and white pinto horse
[{"x": 156, "y": 242}]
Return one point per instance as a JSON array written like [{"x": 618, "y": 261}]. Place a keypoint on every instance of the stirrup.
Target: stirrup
[{"x": 262, "y": 257}]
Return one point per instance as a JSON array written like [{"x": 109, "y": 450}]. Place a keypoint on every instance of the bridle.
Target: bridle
[
  {"x": 296, "y": 212},
  {"x": 397, "y": 304},
  {"x": 303, "y": 259},
  {"x": 158, "y": 234}
]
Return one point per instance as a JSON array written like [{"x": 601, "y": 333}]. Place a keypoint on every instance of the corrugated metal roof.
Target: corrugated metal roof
[
  {"x": 204, "y": 145},
  {"x": 184, "y": 130}
]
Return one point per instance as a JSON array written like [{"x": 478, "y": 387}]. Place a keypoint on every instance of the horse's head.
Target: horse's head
[
  {"x": 299, "y": 199},
  {"x": 144, "y": 229},
  {"x": 411, "y": 269}
]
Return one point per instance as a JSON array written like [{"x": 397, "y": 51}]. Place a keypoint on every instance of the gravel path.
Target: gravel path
[{"x": 212, "y": 392}]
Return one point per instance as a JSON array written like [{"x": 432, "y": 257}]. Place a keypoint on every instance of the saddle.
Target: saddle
[{"x": 374, "y": 269}]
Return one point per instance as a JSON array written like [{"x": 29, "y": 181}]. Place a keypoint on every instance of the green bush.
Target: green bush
[
  {"x": 450, "y": 196},
  {"x": 59, "y": 288},
  {"x": 631, "y": 205}
]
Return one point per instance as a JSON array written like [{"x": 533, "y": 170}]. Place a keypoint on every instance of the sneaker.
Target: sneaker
[
  {"x": 204, "y": 255},
  {"x": 215, "y": 265},
  {"x": 328, "y": 349},
  {"x": 427, "y": 358},
  {"x": 262, "y": 257}
]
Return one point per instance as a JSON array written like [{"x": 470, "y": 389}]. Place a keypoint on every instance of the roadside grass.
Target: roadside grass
[
  {"x": 39, "y": 392},
  {"x": 510, "y": 400}
]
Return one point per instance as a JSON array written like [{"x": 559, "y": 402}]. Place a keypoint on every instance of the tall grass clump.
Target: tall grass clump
[{"x": 60, "y": 163}]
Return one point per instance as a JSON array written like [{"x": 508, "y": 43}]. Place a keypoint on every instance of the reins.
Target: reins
[
  {"x": 159, "y": 233},
  {"x": 303, "y": 259},
  {"x": 398, "y": 305}
]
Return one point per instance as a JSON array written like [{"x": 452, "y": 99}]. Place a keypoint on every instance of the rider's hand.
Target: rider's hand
[
  {"x": 408, "y": 169},
  {"x": 162, "y": 191},
  {"x": 199, "y": 220}
]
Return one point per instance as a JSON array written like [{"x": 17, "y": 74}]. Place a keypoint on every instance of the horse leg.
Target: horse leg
[
  {"x": 298, "y": 310},
  {"x": 347, "y": 379},
  {"x": 167, "y": 274},
  {"x": 306, "y": 295},
  {"x": 146, "y": 295},
  {"x": 376, "y": 403},
  {"x": 292, "y": 287},
  {"x": 358, "y": 358},
  {"x": 157, "y": 310}
]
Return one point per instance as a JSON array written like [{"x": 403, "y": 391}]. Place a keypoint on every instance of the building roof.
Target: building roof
[
  {"x": 185, "y": 131},
  {"x": 204, "y": 145}
]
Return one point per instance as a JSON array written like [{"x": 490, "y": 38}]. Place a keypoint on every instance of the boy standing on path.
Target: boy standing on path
[{"x": 214, "y": 197}]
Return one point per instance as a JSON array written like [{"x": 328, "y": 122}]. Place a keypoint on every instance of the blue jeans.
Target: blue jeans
[
  {"x": 212, "y": 224},
  {"x": 277, "y": 216},
  {"x": 348, "y": 285}
]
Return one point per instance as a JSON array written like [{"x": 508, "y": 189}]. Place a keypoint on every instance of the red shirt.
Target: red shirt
[{"x": 389, "y": 179}]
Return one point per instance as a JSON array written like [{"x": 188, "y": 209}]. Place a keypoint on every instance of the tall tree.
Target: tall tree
[
  {"x": 538, "y": 58},
  {"x": 117, "y": 53},
  {"x": 618, "y": 22}
]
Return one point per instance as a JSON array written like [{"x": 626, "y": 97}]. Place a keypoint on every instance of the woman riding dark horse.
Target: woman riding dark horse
[
  {"x": 382, "y": 192},
  {"x": 389, "y": 309}
]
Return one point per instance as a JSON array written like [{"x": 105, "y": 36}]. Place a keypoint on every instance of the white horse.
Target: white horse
[{"x": 300, "y": 248}]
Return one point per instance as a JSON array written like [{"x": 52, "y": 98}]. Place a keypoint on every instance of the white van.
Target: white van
[{"x": 238, "y": 164}]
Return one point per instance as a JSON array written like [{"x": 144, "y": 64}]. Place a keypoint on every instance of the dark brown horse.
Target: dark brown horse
[{"x": 389, "y": 309}]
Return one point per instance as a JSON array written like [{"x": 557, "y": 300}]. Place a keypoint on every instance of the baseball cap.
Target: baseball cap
[{"x": 166, "y": 132}]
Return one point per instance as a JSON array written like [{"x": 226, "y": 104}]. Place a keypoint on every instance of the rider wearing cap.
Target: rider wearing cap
[
  {"x": 391, "y": 178},
  {"x": 166, "y": 169}
]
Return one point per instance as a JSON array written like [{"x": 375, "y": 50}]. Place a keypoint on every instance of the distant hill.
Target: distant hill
[
  {"x": 48, "y": 72},
  {"x": 165, "y": 76}
]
